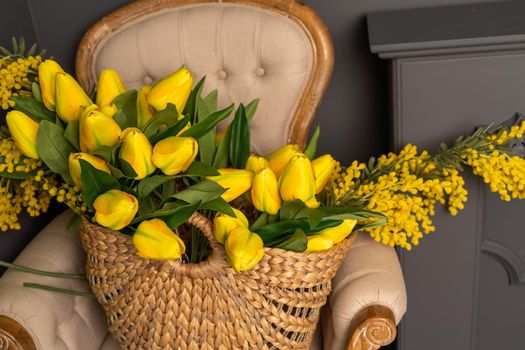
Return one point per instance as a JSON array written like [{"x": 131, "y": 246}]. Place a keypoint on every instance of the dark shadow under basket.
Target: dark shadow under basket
[{"x": 151, "y": 304}]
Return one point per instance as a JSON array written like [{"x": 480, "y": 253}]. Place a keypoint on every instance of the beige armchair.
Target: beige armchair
[{"x": 277, "y": 50}]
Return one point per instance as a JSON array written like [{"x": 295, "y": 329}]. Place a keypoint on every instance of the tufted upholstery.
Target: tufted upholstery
[{"x": 244, "y": 51}]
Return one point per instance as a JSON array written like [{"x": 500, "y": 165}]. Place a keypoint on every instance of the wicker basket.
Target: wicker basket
[{"x": 153, "y": 304}]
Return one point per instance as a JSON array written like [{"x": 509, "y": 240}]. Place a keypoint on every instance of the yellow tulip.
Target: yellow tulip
[
  {"x": 97, "y": 129},
  {"x": 318, "y": 243},
  {"x": 236, "y": 181},
  {"x": 137, "y": 151},
  {"x": 280, "y": 158},
  {"x": 155, "y": 240},
  {"x": 339, "y": 232},
  {"x": 244, "y": 249},
  {"x": 109, "y": 110},
  {"x": 298, "y": 181},
  {"x": 144, "y": 110},
  {"x": 23, "y": 129},
  {"x": 174, "y": 89},
  {"x": 174, "y": 154},
  {"x": 324, "y": 167},
  {"x": 70, "y": 98},
  {"x": 265, "y": 192},
  {"x": 46, "y": 76},
  {"x": 256, "y": 163},
  {"x": 109, "y": 86},
  {"x": 115, "y": 209},
  {"x": 74, "y": 165},
  {"x": 223, "y": 224}
]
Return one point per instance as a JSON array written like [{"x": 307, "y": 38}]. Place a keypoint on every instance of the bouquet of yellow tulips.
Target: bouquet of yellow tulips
[{"x": 143, "y": 162}]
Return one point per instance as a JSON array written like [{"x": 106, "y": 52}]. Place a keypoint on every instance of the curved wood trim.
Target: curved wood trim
[
  {"x": 323, "y": 58},
  {"x": 373, "y": 327},
  {"x": 13, "y": 336}
]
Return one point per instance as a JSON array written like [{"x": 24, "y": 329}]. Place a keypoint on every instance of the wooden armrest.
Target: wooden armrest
[
  {"x": 13, "y": 336},
  {"x": 372, "y": 328}
]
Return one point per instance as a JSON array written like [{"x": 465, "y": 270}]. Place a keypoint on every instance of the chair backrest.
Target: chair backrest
[{"x": 277, "y": 50}]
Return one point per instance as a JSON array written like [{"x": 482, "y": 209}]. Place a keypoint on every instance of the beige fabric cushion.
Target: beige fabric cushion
[
  {"x": 244, "y": 51},
  {"x": 54, "y": 321},
  {"x": 370, "y": 275}
]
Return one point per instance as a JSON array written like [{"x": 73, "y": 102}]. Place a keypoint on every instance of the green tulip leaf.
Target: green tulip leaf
[
  {"x": 219, "y": 205},
  {"x": 126, "y": 115},
  {"x": 190, "y": 110},
  {"x": 173, "y": 213},
  {"x": 251, "y": 108},
  {"x": 311, "y": 148},
  {"x": 200, "y": 129},
  {"x": 278, "y": 230},
  {"x": 181, "y": 215},
  {"x": 168, "y": 117},
  {"x": 205, "y": 108},
  {"x": 203, "y": 191},
  {"x": 348, "y": 212},
  {"x": 297, "y": 209},
  {"x": 295, "y": 243},
  {"x": 127, "y": 169},
  {"x": 33, "y": 108},
  {"x": 222, "y": 153},
  {"x": 105, "y": 152},
  {"x": 54, "y": 149},
  {"x": 149, "y": 184},
  {"x": 146, "y": 205},
  {"x": 200, "y": 169},
  {"x": 35, "y": 90},
  {"x": 171, "y": 131},
  {"x": 95, "y": 182},
  {"x": 72, "y": 133},
  {"x": 240, "y": 139}
]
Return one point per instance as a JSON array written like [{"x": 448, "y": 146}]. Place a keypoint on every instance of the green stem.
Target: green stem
[
  {"x": 59, "y": 290},
  {"x": 43, "y": 273}
]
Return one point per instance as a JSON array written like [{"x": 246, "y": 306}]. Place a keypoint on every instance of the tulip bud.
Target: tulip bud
[
  {"x": 318, "y": 243},
  {"x": 137, "y": 151},
  {"x": 174, "y": 154},
  {"x": 324, "y": 167},
  {"x": 109, "y": 86},
  {"x": 236, "y": 181},
  {"x": 70, "y": 98},
  {"x": 23, "y": 129},
  {"x": 280, "y": 158},
  {"x": 265, "y": 192},
  {"x": 74, "y": 165},
  {"x": 298, "y": 181},
  {"x": 46, "y": 76},
  {"x": 256, "y": 163},
  {"x": 223, "y": 224},
  {"x": 109, "y": 110},
  {"x": 174, "y": 89},
  {"x": 339, "y": 232},
  {"x": 97, "y": 129},
  {"x": 155, "y": 240},
  {"x": 144, "y": 110},
  {"x": 244, "y": 249},
  {"x": 115, "y": 209}
]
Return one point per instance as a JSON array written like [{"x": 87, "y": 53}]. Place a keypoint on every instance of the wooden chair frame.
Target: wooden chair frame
[{"x": 374, "y": 326}]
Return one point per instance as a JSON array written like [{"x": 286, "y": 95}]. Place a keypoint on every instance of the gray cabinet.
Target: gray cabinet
[{"x": 453, "y": 68}]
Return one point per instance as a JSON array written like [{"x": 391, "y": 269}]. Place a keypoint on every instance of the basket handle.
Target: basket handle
[{"x": 204, "y": 224}]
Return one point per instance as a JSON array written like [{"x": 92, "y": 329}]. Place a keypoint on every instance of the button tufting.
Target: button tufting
[
  {"x": 260, "y": 71},
  {"x": 223, "y": 75},
  {"x": 148, "y": 80}
]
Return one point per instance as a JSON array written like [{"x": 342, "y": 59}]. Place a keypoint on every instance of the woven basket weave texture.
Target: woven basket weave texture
[{"x": 151, "y": 304}]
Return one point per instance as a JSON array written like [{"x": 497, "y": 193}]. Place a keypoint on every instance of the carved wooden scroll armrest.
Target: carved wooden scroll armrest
[
  {"x": 13, "y": 336},
  {"x": 372, "y": 328}
]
